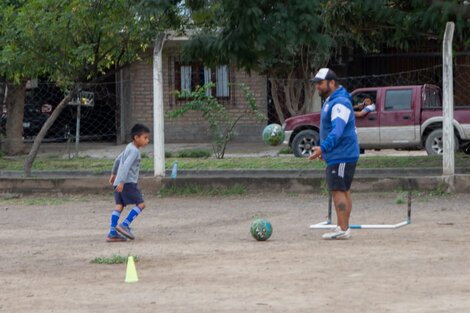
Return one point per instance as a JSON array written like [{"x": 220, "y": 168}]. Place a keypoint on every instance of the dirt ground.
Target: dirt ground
[{"x": 196, "y": 255}]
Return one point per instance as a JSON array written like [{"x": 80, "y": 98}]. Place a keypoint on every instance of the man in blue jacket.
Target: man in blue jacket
[{"x": 338, "y": 147}]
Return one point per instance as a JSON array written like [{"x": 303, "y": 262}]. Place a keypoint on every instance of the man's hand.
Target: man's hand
[
  {"x": 119, "y": 187},
  {"x": 316, "y": 153},
  {"x": 111, "y": 179}
]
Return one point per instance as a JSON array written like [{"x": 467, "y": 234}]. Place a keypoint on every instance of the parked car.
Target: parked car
[
  {"x": 33, "y": 119},
  {"x": 406, "y": 117}
]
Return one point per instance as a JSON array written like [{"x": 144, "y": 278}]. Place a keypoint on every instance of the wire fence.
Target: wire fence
[
  {"x": 92, "y": 121},
  {"x": 100, "y": 122},
  {"x": 296, "y": 97}
]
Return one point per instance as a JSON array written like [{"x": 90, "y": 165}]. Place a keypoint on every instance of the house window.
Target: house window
[
  {"x": 221, "y": 83},
  {"x": 186, "y": 78},
  {"x": 207, "y": 79}
]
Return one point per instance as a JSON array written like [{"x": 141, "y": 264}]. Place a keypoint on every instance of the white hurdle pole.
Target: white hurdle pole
[
  {"x": 327, "y": 224},
  {"x": 324, "y": 225}
]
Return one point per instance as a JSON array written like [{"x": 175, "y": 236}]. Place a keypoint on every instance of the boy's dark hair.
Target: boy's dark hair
[{"x": 139, "y": 129}]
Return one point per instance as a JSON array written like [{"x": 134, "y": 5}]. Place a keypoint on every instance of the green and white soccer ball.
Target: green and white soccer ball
[
  {"x": 261, "y": 229},
  {"x": 273, "y": 135}
]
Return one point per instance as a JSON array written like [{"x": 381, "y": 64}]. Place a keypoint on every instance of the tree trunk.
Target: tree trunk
[
  {"x": 28, "y": 164},
  {"x": 13, "y": 144},
  {"x": 277, "y": 104},
  {"x": 312, "y": 101},
  {"x": 316, "y": 102}
]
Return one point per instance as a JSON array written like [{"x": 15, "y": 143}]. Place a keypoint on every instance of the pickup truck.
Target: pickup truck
[{"x": 406, "y": 117}]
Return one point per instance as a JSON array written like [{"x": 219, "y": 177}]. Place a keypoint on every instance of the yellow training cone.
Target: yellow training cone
[{"x": 131, "y": 272}]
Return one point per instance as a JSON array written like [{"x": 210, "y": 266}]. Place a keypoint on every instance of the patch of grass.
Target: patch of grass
[
  {"x": 146, "y": 155},
  {"x": 400, "y": 199},
  {"x": 10, "y": 196},
  {"x": 286, "y": 150},
  {"x": 194, "y": 153},
  {"x": 36, "y": 201},
  {"x": 195, "y": 190},
  {"x": 423, "y": 195},
  {"x": 439, "y": 191},
  {"x": 292, "y": 194},
  {"x": 324, "y": 188},
  {"x": 115, "y": 259},
  {"x": 206, "y": 163},
  {"x": 57, "y": 163},
  {"x": 18, "y": 199}
]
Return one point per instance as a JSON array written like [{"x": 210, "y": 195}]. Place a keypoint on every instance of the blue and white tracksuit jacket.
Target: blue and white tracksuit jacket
[{"x": 338, "y": 138}]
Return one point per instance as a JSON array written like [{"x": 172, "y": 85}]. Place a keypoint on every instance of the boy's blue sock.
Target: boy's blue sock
[
  {"x": 132, "y": 215},
  {"x": 114, "y": 220}
]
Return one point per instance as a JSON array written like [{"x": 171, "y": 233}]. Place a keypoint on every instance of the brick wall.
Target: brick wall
[{"x": 191, "y": 127}]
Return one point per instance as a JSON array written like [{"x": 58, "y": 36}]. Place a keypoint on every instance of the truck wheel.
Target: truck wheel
[
  {"x": 434, "y": 144},
  {"x": 304, "y": 141}
]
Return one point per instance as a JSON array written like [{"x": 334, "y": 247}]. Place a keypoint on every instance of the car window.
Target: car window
[
  {"x": 432, "y": 98},
  {"x": 361, "y": 96},
  {"x": 397, "y": 100}
]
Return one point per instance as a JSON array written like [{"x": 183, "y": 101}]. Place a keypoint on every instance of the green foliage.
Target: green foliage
[
  {"x": 221, "y": 122},
  {"x": 103, "y": 166},
  {"x": 277, "y": 36},
  {"x": 273, "y": 37},
  {"x": 18, "y": 199},
  {"x": 439, "y": 191},
  {"x": 285, "y": 150},
  {"x": 196, "y": 190},
  {"x": 70, "y": 41},
  {"x": 372, "y": 25},
  {"x": 115, "y": 259},
  {"x": 144, "y": 155},
  {"x": 289, "y": 40},
  {"x": 284, "y": 40},
  {"x": 194, "y": 153},
  {"x": 78, "y": 40},
  {"x": 400, "y": 199},
  {"x": 421, "y": 195},
  {"x": 324, "y": 191}
]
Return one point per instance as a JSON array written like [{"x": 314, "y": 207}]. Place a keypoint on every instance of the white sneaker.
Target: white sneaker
[{"x": 338, "y": 233}]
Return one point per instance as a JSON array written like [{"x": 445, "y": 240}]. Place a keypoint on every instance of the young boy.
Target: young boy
[{"x": 124, "y": 177}]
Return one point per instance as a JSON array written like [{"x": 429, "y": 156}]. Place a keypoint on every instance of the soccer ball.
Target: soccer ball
[
  {"x": 273, "y": 135},
  {"x": 261, "y": 229}
]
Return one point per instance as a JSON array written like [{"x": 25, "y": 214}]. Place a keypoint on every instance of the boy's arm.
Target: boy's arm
[
  {"x": 123, "y": 170},
  {"x": 115, "y": 169},
  {"x": 116, "y": 164}
]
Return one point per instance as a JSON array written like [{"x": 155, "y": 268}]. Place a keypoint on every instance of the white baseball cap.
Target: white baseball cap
[{"x": 324, "y": 73}]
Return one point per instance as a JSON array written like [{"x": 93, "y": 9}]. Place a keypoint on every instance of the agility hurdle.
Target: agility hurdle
[{"x": 327, "y": 224}]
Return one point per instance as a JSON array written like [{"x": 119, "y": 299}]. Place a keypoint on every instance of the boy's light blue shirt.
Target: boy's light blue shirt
[{"x": 126, "y": 167}]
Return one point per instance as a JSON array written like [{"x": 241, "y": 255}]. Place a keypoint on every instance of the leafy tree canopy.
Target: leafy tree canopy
[
  {"x": 276, "y": 37},
  {"x": 77, "y": 40}
]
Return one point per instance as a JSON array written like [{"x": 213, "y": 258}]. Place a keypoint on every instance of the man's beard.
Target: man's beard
[{"x": 325, "y": 93}]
